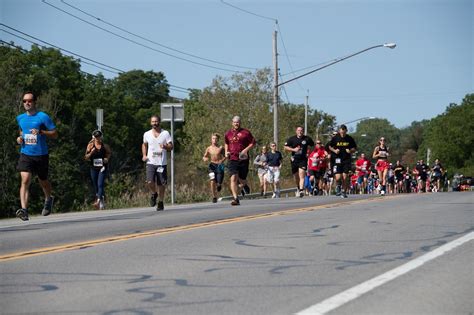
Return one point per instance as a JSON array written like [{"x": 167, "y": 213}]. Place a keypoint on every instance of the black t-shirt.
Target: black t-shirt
[
  {"x": 422, "y": 169},
  {"x": 399, "y": 169},
  {"x": 304, "y": 142},
  {"x": 274, "y": 159},
  {"x": 437, "y": 169},
  {"x": 342, "y": 143}
]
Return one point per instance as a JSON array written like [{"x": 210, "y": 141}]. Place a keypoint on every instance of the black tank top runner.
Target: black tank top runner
[
  {"x": 384, "y": 151},
  {"x": 97, "y": 158}
]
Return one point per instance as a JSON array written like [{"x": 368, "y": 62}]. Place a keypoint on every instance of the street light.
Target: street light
[{"x": 276, "y": 86}]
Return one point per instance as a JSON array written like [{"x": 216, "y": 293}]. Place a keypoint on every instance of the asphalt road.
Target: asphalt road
[{"x": 265, "y": 257}]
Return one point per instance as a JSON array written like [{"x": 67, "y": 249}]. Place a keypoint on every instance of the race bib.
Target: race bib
[
  {"x": 98, "y": 162},
  {"x": 315, "y": 163},
  {"x": 160, "y": 169},
  {"x": 31, "y": 139},
  {"x": 155, "y": 154},
  {"x": 338, "y": 161},
  {"x": 363, "y": 169}
]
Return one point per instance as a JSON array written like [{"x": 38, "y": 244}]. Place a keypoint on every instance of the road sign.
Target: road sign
[
  {"x": 99, "y": 118},
  {"x": 172, "y": 109}
]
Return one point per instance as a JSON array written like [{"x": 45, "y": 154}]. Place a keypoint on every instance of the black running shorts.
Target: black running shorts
[
  {"x": 240, "y": 167},
  {"x": 34, "y": 164}
]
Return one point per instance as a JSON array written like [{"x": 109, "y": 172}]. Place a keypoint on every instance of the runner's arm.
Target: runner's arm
[{"x": 144, "y": 151}]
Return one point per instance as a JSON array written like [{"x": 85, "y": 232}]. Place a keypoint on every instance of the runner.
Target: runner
[
  {"x": 391, "y": 179},
  {"x": 34, "y": 127},
  {"x": 98, "y": 153},
  {"x": 363, "y": 166},
  {"x": 215, "y": 153},
  {"x": 421, "y": 172},
  {"x": 317, "y": 165},
  {"x": 238, "y": 142},
  {"x": 156, "y": 142},
  {"x": 399, "y": 171},
  {"x": 298, "y": 146},
  {"x": 274, "y": 160},
  {"x": 437, "y": 171},
  {"x": 262, "y": 169},
  {"x": 342, "y": 146},
  {"x": 381, "y": 154}
]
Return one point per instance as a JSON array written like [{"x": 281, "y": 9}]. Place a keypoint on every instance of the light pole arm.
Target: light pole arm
[{"x": 334, "y": 62}]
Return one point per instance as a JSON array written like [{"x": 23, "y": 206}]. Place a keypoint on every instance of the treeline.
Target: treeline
[
  {"x": 449, "y": 137},
  {"x": 71, "y": 98}
]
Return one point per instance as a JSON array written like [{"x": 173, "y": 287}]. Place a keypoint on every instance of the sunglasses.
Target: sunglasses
[{"x": 30, "y": 101}]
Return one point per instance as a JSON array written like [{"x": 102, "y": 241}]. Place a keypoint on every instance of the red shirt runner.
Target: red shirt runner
[{"x": 237, "y": 140}]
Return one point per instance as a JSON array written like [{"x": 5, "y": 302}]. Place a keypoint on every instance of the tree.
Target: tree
[
  {"x": 368, "y": 133},
  {"x": 450, "y": 137}
]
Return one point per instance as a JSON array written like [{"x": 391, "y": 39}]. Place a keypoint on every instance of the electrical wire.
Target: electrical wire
[
  {"x": 60, "y": 49},
  {"x": 93, "y": 63},
  {"x": 154, "y": 42},
  {"x": 286, "y": 54},
  {"x": 137, "y": 43},
  {"x": 277, "y": 26},
  {"x": 255, "y": 14},
  {"x": 284, "y": 90}
]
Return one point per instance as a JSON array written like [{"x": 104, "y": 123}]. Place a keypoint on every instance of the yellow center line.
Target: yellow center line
[{"x": 120, "y": 238}]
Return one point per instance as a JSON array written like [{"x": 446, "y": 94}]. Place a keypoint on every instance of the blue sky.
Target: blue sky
[{"x": 431, "y": 67}]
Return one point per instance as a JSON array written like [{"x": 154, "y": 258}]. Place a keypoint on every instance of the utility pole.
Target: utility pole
[
  {"x": 306, "y": 115},
  {"x": 275, "y": 89}
]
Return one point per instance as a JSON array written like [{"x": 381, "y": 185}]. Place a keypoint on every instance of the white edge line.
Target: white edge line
[{"x": 357, "y": 291}]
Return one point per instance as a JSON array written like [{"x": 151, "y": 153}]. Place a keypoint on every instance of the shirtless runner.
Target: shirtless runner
[{"x": 215, "y": 153}]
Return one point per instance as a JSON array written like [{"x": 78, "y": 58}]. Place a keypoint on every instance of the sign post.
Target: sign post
[
  {"x": 172, "y": 112},
  {"x": 99, "y": 114}
]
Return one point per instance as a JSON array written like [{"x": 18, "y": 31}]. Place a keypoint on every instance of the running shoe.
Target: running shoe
[
  {"x": 214, "y": 200},
  {"x": 382, "y": 192},
  {"x": 274, "y": 195},
  {"x": 235, "y": 202},
  {"x": 96, "y": 204},
  {"x": 301, "y": 193},
  {"x": 338, "y": 190},
  {"x": 219, "y": 187},
  {"x": 246, "y": 188},
  {"x": 101, "y": 204},
  {"x": 344, "y": 195},
  {"x": 160, "y": 206},
  {"x": 153, "y": 199},
  {"x": 22, "y": 214},
  {"x": 48, "y": 206}
]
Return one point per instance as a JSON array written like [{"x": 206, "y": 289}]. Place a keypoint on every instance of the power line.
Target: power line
[
  {"x": 13, "y": 45},
  {"x": 284, "y": 89},
  {"x": 255, "y": 14},
  {"x": 176, "y": 88},
  {"x": 61, "y": 49},
  {"x": 277, "y": 27},
  {"x": 83, "y": 72},
  {"x": 138, "y": 43},
  {"x": 286, "y": 53},
  {"x": 151, "y": 41}
]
